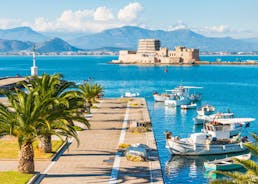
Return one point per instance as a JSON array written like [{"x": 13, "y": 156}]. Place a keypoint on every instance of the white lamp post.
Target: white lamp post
[{"x": 34, "y": 68}]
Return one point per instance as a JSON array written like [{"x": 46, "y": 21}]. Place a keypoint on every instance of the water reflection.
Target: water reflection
[
  {"x": 170, "y": 111},
  {"x": 158, "y": 105},
  {"x": 191, "y": 167}
]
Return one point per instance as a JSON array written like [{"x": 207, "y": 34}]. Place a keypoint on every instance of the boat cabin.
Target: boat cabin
[{"x": 226, "y": 128}]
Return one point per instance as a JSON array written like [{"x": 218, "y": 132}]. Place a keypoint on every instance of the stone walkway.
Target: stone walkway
[{"x": 93, "y": 160}]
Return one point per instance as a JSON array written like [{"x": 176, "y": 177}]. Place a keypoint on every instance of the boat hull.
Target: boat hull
[
  {"x": 226, "y": 167},
  {"x": 175, "y": 103},
  {"x": 226, "y": 164},
  {"x": 181, "y": 148},
  {"x": 160, "y": 98},
  {"x": 200, "y": 120}
]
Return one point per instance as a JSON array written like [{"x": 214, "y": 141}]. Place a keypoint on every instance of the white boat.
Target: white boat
[
  {"x": 206, "y": 110},
  {"x": 162, "y": 97},
  {"x": 201, "y": 119},
  {"x": 190, "y": 106},
  {"x": 232, "y": 125},
  {"x": 226, "y": 164},
  {"x": 216, "y": 138},
  {"x": 188, "y": 91},
  {"x": 129, "y": 94},
  {"x": 177, "y": 101}
]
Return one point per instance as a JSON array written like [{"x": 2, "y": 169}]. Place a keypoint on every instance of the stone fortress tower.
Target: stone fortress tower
[
  {"x": 150, "y": 52},
  {"x": 148, "y": 46}
]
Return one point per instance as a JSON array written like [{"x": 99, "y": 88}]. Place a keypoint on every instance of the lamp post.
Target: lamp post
[{"x": 34, "y": 68}]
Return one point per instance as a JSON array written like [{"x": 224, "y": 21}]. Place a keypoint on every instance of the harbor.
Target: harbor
[{"x": 235, "y": 93}]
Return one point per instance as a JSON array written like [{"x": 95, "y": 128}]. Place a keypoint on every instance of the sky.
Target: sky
[{"x": 218, "y": 18}]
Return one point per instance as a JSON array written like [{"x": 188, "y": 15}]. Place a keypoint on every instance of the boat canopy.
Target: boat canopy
[{"x": 234, "y": 120}]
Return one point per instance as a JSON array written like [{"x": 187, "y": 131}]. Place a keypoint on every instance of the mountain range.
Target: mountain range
[{"x": 24, "y": 38}]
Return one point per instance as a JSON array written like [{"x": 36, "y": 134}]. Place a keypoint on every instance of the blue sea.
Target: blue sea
[{"x": 232, "y": 87}]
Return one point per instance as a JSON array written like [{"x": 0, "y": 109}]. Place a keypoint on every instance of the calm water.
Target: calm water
[{"x": 233, "y": 87}]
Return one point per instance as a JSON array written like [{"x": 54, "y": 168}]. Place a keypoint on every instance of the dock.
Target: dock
[
  {"x": 10, "y": 82},
  {"x": 98, "y": 159}
]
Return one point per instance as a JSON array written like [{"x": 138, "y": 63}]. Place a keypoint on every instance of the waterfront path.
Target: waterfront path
[
  {"x": 97, "y": 157},
  {"x": 10, "y": 81}
]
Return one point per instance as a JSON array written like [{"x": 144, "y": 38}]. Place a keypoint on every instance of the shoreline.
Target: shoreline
[{"x": 194, "y": 64}]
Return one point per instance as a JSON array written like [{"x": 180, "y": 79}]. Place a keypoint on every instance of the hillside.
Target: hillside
[
  {"x": 55, "y": 45},
  {"x": 22, "y": 34},
  {"x": 127, "y": 37}
]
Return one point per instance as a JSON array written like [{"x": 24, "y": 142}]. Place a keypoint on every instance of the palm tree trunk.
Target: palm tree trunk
[
  {"x": 26, "y": 158},
  {"x": 46, "y": 144}
]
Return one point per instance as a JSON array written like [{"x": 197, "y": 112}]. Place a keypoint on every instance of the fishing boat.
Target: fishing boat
[
  {"x": 232, "y": 125},
  {"x": 177, "y": 101},
  {"x": 163, "y": 96},
  {"x": 190, "y": 106},
  {"x": 201, "y": 119},
  {"x": 226, "y": 164},
  {"x": 216, "y": 138},
  {"x": 206, "y": 110},
  {"x": 129, "y": 94},
  {"x": 188, "y": 91}
]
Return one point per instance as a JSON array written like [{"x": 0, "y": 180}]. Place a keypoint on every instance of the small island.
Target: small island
[{"x": 150, "y": 52}]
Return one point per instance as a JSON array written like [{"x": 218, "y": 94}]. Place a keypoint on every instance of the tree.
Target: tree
[
  {"x": 63, "y": 110},
  {"x": 91, "y": 93},
  {"x": 251, "y": 174},
  {"x": 21, "y": 120}
]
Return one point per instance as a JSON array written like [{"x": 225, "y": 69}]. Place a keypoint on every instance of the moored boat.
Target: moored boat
[
  {"x": 187, "y": 91},
  {"x": 201, "y": 119},
  {"x": 206, "y": 110},
  {"x": 226, "y": 164},
  {"x": 177, "y": 101},
  {"x": 190, "y": 106},
  {"x": 162, "y": 97},
  {"x": 130, "y": 94},
  {"x": 217, "y": 138}
]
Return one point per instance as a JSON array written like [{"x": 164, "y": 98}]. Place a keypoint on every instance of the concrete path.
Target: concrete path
[{"x": 93, "y": 160}]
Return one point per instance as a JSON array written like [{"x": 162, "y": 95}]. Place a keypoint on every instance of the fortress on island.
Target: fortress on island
[{"x": 150, "y": 52}]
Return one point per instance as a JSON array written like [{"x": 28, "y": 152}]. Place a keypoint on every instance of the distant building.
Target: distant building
[{"x": 150, "y": 52}]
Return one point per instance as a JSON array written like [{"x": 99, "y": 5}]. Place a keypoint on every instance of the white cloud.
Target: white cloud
[
  {"x": 218, "y": 29},
  {"x": 130, "y": 12},
  {"x": 85, "y": 20},
  {"x": 179, "y": 25},
  {"x": 103, "y": 14},
  {"x": 9, "y": 23}
]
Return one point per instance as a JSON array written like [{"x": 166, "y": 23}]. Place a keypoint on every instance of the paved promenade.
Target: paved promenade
[
  {"x": 97, "y": 158},
  {"x": 10, "y": 81}
]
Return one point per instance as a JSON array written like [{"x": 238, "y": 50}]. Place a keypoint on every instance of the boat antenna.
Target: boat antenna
[{"x": 228, "y": 110}]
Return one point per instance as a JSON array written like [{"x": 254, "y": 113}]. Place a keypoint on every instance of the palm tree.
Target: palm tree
[
  {"x": 250, "y": 176},
  {"x": 91, "y": 93},
  {"x": 20, "y": 119},
  {"x": 62, "y": 112}
]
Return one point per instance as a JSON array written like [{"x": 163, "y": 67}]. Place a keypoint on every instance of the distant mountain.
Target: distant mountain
[
  {"x": 55, "y": 45},
  {"x": 22, "y": 34},
  {"x": 107, "y": 49},
  {"x": 128, "y": 36},
  {"x": 119, "y": 38},
  {"x": 251, "y": 40},
  {"x": 14, "y": 45}
]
